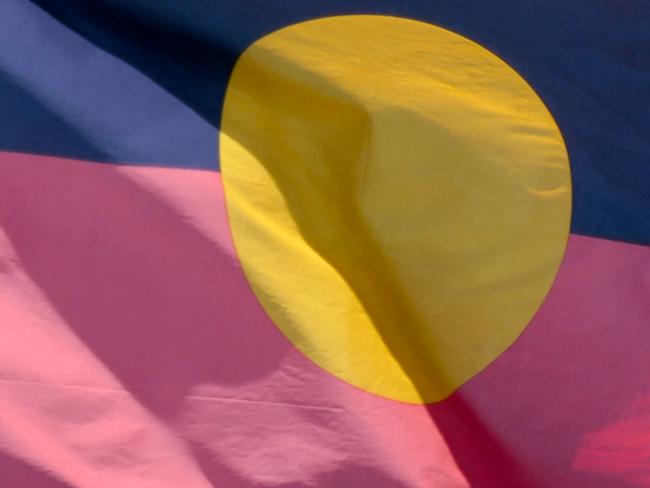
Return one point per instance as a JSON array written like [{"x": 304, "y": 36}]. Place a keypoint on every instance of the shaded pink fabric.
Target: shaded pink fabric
[
  {"x": 576, "y": 371},
  {"x": 134, "y": 354}
]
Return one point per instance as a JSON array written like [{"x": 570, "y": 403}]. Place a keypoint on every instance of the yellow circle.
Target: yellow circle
[{"x": 399, "y": 198}]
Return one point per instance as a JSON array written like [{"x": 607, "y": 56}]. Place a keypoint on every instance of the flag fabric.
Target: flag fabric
[{"x": 384, "y": 244}]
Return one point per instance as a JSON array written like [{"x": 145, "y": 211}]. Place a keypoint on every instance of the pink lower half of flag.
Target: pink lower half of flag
[{"x": 134, "y": 354}]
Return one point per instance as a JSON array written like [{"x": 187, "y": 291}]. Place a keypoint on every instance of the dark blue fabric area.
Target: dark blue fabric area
[
  {"x": 39, "y": 130},
  {"x": 589, "y": 60},
  {"x": 61, "y": 95}
]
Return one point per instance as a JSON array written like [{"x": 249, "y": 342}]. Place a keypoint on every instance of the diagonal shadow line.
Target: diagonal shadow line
[
  {"x": 18, "y": 473},
  {"x": 50, "y": 125},
  {"x": 190, "y": 65}
]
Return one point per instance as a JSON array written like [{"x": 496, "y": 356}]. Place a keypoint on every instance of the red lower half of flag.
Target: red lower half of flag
[{"x": 133, "y": 353}]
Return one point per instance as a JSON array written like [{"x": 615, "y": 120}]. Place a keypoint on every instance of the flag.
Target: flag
[{"x": 391, "y": 244}]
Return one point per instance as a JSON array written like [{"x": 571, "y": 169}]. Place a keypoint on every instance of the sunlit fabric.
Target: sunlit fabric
[{"x": 383, "y": 244}]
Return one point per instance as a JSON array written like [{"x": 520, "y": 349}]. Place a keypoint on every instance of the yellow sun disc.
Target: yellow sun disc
[{"x": 399, "y": 198}]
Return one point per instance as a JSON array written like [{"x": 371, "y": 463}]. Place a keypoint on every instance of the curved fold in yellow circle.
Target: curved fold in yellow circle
[{"x": 399, "y": 198}]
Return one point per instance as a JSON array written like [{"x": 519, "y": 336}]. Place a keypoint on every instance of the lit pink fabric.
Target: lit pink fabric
[{"x": 134, "y": 354}]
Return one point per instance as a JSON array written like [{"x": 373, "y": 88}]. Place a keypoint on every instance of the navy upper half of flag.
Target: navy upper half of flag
[{"x": 143, "y": 82}]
